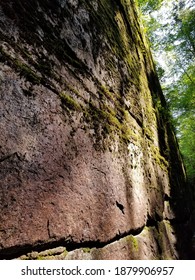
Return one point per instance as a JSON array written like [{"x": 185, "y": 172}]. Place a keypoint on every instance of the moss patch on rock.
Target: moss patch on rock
[
  {"x": 132, "y": 240},
  {"x": 69, "y": 102}
]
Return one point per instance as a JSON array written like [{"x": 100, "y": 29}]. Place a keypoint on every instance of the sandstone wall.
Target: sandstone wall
[{"x": 88, "y": 160}]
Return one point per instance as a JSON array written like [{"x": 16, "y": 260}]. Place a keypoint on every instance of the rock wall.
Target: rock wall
[{"x": 89, "y": 164}]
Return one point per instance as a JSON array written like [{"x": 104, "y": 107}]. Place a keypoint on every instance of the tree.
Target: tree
[
  {"x": 170, "y": 27},
  {"x": 149, "y": 5}
]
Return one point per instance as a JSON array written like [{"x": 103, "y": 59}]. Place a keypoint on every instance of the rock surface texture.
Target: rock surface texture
[{"x": 89, "y": 164}]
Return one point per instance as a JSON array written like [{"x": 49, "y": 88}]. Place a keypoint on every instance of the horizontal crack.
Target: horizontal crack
[{"x": 17, "y": 251}]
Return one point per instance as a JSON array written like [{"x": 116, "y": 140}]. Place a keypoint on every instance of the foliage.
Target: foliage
[
  {"x": 149, "y": 5},
  {"x": 181, "y": 97},
  {"x": 170, "y": 27}
]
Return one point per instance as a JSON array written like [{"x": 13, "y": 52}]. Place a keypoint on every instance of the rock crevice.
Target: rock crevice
[{"x": 70, "y": 247}]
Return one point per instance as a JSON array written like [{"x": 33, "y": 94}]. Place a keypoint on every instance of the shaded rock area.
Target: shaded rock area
[{"x": 89, "y": 164}]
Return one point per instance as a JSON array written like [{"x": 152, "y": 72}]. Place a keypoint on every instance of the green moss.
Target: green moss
[
  {"x": 146, "y": 229},
  {"x": 69, "y": 102},
  {"x": 111, "y": 110},
  {"x": 86, "y": 250},
  {"x": 106, "y": 92},
  {"x": 65, "y": 253},
  {"x": 113, "y": 20},
  {"x": 26, "y": 53},
  {"x": 27, "y": 72},
  {"x": 128, "y": 134},
  {"x": 104, "y": 121},
  {"x": 162, "y": 162},
  {"x": 167, "y": 251},
  {"x": 149, "y": 133},
  {"x": 39, "y": 258},
  {"x": 23, "y": 68},
  {"x": 113, "y": 120},
  {"x": 72, "y": 89},
  {"x": 133, "y": 242}
]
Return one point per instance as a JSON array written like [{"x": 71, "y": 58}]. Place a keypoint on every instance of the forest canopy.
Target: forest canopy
[{"x": 170, "y": 26}]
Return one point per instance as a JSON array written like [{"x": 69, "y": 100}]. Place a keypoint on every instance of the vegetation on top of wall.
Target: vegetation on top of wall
[{"x": 172, "y": 39}]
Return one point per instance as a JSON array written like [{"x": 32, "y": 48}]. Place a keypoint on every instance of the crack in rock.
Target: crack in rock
[
  {"x": 69, "y": 244},
  {"x": 120, "y": 206}
]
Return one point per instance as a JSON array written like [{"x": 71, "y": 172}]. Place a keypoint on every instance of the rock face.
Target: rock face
[{"x": 88, "y": 159}]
